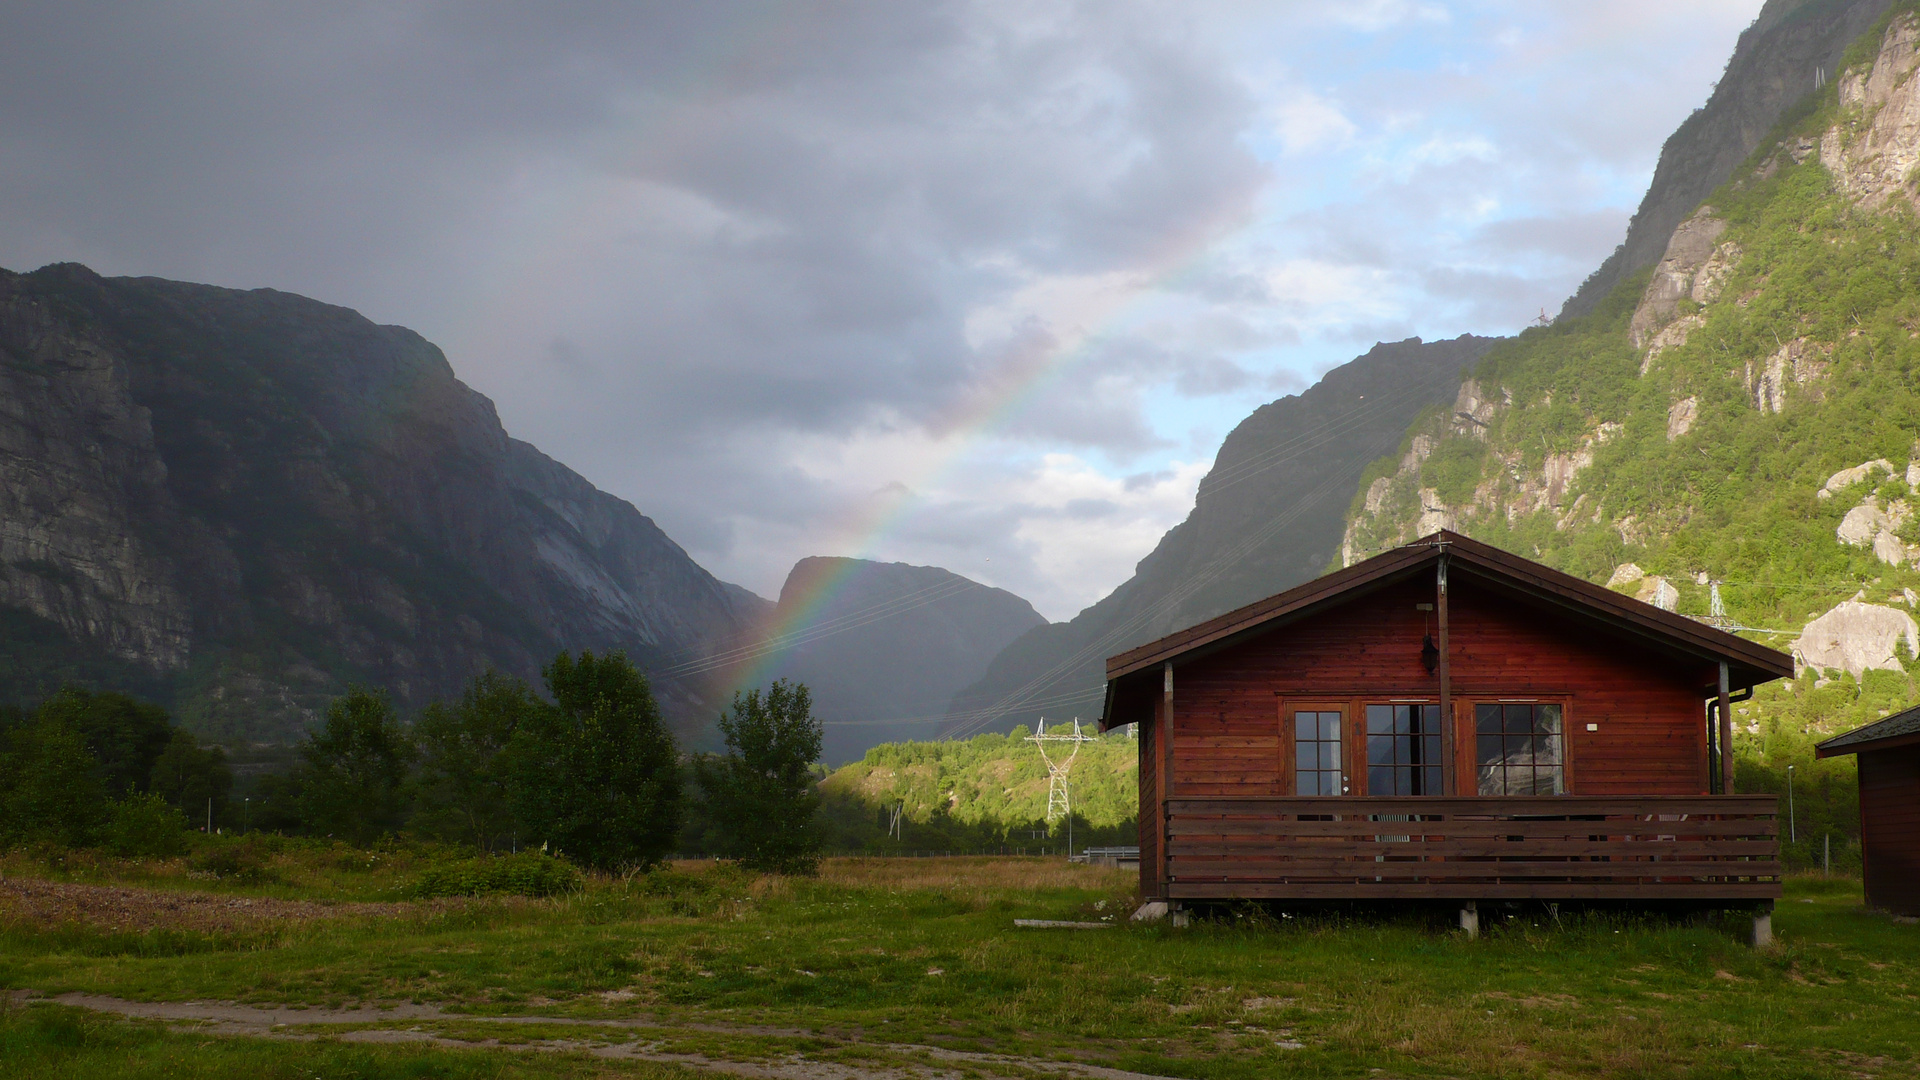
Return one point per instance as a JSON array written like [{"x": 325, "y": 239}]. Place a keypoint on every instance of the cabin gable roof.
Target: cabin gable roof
[{"x": 1749, "y": 663}]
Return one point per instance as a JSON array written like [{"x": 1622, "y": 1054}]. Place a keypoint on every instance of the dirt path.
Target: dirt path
[
  {"x": 916, "y": 1062},
  {"x": 41, "y": 904}
]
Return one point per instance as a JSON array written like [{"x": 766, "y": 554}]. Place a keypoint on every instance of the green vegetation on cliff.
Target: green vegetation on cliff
[{"x": 1693, "y": 424}]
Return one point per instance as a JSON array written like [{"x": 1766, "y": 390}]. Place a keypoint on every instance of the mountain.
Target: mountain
[
  {"x": 1733, "y": 433},
  {"x": 1792, "y": 47},
  {"x": 238, "y": 502},
  {"x": 1267, "y": 516},
  {"x": 880, "y": 644}
]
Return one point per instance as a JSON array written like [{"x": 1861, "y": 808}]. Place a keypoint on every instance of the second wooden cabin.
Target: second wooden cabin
[{"x": 1448, "y": 721}]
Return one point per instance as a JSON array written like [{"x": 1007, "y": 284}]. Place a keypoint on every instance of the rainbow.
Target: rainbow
[{"x": 549, "y": 235}]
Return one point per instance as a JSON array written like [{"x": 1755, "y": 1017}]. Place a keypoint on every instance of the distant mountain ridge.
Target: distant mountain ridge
[
  {"x": 883, "y": 646},
  {"x": 241, "y": 500},
  {"x": 1267, "y": 516}
]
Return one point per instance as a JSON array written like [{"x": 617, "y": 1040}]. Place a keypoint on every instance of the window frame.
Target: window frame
[
  {"x": 1467, "y": 734},
  {"x": 1289, "y": 772}
]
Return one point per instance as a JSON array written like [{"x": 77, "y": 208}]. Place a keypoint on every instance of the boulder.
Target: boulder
[
  {"x": 1625, "y": 574},
  {"x": 1857, "y": 637},
  {"x": 1659, "y": 592},
  {"x": 1846, "y": 478}
]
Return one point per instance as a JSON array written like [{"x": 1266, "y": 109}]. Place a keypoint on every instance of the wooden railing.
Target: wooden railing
[{"x": 1710, "y": 847}]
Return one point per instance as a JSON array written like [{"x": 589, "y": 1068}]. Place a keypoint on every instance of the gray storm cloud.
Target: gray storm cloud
[{"x": 695, "y": 250}]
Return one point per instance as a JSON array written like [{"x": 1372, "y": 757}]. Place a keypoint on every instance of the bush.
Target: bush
[
  {"x": 244, "y": 862},
  {"x": 526, "y": 874},
  {"x": 144, "y": 825}
]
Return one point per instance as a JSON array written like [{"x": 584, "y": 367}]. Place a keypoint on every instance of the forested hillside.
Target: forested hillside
[
  {"x": 983, "y": 793},
  {"x": 1736, "y": 433}
]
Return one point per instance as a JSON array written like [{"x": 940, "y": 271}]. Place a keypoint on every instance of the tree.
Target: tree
[
  {"x": 50, "y": 786},
  {"x": 353, "y": 770},
  {"x": 124, "y": 734},
  {"x": 596, "y": 775},
  {"x": 762, "y": 793},
  {"x": 461, "y": 792},
  {"x": 189, "y": 776}
]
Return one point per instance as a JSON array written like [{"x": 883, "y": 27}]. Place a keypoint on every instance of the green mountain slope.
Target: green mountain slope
[{"x": 1740, "y": 422}]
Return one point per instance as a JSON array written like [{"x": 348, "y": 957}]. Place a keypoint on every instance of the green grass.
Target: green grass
[{"x": 879, "y": 959}]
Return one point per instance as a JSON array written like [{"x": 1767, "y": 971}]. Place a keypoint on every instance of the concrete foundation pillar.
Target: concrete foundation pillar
[
  {"x": 1763, "y": 927},
  {"x": 1470, "y": 919}
]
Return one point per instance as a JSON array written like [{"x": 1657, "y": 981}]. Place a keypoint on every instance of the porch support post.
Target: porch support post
[
  {"x": 1726, "y": 734},
  {"x": 1470, "y": 919},
  {"x": 1166, "y": 784},
  {"x": 1449, "y": 784}
]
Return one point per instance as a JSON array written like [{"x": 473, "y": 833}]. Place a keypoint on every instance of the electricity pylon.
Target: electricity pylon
[{"x": 1059, "y": 799}]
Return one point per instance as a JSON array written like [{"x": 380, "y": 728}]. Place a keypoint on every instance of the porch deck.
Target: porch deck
[{"x": 1706, "y": 847}]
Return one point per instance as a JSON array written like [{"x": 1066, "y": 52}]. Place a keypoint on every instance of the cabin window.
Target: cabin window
[
  {"x": 1403, "y": 750},
  {"x": 1316, "y": 753},
  {"x": 1519, "y": 750}
]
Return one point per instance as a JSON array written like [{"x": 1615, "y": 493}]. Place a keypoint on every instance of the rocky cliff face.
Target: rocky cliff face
[
  {"x": 1268, "y": 516},
  {"x": 883, "y": 646},
  {"x": 254, "y": 498},
  {"x": 1792, "y": 48}
]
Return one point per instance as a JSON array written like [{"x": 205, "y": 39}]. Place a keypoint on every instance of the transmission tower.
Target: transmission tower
[{"x": 1059, "y": 801}]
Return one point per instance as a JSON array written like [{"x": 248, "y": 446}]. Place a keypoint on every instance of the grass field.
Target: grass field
[{"x": 909, "y": 967}]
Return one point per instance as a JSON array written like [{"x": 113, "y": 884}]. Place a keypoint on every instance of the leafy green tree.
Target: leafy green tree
[
  {"x": 762, "y": 794},
  {"x": 124, "y": 734},
  {"x": 596, "y": 775},
  {"x": 189, "y": 776},
  {"x": 50, "y": 786},
  {"x": 353, "y": 770},
  {"x": 461, "y": 792}
]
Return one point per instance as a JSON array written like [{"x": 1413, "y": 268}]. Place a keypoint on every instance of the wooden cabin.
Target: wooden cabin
[
  {"x": 1889, "y": 807},
  {"x": 1446, "y": 721}
]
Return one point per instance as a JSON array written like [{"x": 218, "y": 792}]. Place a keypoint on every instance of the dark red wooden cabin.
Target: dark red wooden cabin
[
  {"x": 1889, "y": 807},
  {"x": 1446, "y": 721}
]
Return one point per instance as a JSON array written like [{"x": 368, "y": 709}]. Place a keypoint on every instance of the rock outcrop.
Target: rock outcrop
[
  {"x": 1874, "y": 150},
  {"x": 256, "y": 498},
  {"x": 1856, "y": 638}
]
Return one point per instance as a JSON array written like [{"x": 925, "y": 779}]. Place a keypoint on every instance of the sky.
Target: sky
[{"x": 978, "y": 285}]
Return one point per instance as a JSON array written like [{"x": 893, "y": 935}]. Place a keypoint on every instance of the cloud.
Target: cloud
[{"x": 929, "y": 281}]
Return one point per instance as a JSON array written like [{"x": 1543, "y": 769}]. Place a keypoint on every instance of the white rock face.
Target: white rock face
[
  {"x": 1681, "y": 416},
  {"x": 1659, "y": 592},
  {"x": 1434, "y": 514},
  {"x": 1846, "y": 478},
  {"x": 1625, "y": 574},
  {"x": 1377, "y": 493},
  {"x": 1873, "y": 151},
  {"x": 1688, "y": 253},
  {"x": 1872, "y": 525},
  {"x": 1472, "y": 410},
  {"x": 1856, "y": 638}
]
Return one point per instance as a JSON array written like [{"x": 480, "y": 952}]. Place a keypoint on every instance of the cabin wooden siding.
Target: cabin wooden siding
[{"x": 1890, "y": 828}]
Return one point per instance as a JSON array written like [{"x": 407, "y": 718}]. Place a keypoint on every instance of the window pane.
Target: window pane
[
  {"x": 1519, "y": 719},
  {"x": 1380, "y": 781},
  {"x": 1330, "y": 727},
  {"x": 1489, "y": 750},
  {"x": 1379, "y": 719},
  {"x": 1547, "y": 719},
  {"x": 1486, "y": 719}
]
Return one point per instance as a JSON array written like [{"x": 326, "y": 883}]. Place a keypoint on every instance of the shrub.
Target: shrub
[
  {"x": 526, "y": 874},
  {"x": 144, "y": 825},
  {"x": 244, "y": 862}
]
